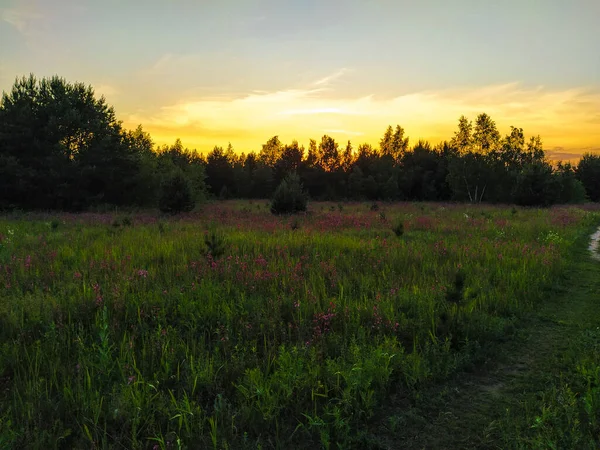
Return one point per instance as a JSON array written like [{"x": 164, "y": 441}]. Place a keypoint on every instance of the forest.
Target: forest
[{"x": 63, "y": 148}]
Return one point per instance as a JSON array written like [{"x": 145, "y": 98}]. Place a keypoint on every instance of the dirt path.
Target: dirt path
[{"x": 508, "y": 401}]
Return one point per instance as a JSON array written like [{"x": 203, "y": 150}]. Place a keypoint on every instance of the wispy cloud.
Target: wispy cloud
[
  {"x": 24, "y": 18},
  {"x": 106, "y": 90},
  {"x": 311, "y": 111},
  {"x": 573, "y": 154},
  {"x": 564, "y": 118},
  {"x": 163, "y": 61},
  {"x": 329, "y": 78}
]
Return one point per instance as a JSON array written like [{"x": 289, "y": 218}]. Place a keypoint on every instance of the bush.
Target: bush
[
  {"x": 456, "y": 292},
  {"x": 215, "y": 244},
  {"x": 289, "y": 197},
  {"x": 176, "y": 195},
  {"x": 398, "y": 229}
]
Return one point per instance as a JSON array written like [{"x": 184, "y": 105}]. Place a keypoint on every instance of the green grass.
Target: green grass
[
  {"x": 539, "y": 390},
  {"x": 231, "y": 328}
]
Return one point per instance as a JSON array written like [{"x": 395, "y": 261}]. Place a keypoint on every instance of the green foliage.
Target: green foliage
[
  {"x": 289, "y": 197},
  {"x": 176, "y": 194}
]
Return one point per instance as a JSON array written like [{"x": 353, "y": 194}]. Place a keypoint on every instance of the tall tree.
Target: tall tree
[
  {"x": 393, "y": 143},
  {"x": 271, "y": 151},
  {"x": 365, "y": 158},
  {"x": 536, "y": 185},
  {"x": 311, "y": 156},
  {"x": 468, "y": 176},
  {"x": 66, "y": 145},
  {"x": 571, "y": 190},
  {"x": 386, "y": 144},
  {"x": 486, "y": 136},
  {"x": 535, "y": 150},
  {"x": 399, "y": 143},
  {"x": 288, "y": 162},
  {"x": 588, "y": 172},
  {"x": 347, "y": 158},
  {"x": 148, "y": 179},
  {"x": 328, "y": 156},
  {"x": 219, "y": 171},
  {"x": 463, "y": 137}
]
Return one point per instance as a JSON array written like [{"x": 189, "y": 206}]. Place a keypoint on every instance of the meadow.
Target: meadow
[{"x": 232, "y": 328}]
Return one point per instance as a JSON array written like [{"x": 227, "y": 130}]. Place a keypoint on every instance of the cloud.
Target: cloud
[
  {"x": 163, "y": 61},
  {"x": 561, "y": 154},
  {"x": 565, "y": 118},
  {"x": 106, "y": 90},
  {"x": 24, "y": 19},
  {"x": 328, "y": 79},
  {"x": 304, "y": 112}
]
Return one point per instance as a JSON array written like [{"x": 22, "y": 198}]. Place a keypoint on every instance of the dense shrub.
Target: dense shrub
[
  {"x": 289, "y": 196},
  {"x": 176, "y": 194}
]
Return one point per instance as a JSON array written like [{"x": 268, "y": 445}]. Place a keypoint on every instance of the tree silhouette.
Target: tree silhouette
[
  {"x": 65, "y": 144},
  {"x": 328, "y": 156},
  {"x": 588, "y": 172},
  {"x": 271, "y": 151},
  {"x": 61, "y": 147},
  {"x": 485, "y": 136},
  {"x": 462, "y": 140}
]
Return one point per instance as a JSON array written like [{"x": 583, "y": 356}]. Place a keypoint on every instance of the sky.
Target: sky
[{"x": 213, "y": 72}]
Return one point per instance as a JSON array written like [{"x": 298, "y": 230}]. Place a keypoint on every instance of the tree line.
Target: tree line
[{"x": 62, "y": 148}]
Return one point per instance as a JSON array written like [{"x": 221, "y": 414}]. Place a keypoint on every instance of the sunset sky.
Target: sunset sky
[{"x": 213, "y": 72}]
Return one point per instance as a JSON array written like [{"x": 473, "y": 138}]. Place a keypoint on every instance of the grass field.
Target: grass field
[{"x": 232, "y": 328}]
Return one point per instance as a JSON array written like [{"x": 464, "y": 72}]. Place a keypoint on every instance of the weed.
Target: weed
[
  {"x": 398, "y": 229},
  {"x": 216, "y": 244},
  {"x": 282, "y": 339}
]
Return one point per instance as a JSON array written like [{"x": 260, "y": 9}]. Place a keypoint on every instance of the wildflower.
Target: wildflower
[
  {"x": 77, "y": 275},
  {"x": 142, "y": 273},
  {"x": 131, "y": 379}
]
